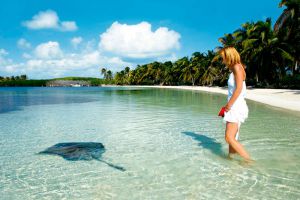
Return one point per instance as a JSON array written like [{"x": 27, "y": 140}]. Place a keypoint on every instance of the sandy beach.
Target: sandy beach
[{"x": 282, "y": 98}]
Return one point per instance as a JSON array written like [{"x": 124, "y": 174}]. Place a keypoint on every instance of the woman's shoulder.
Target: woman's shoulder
[
  {"x": 238, "y": 66},
  {"x": 239, "y": 70}
]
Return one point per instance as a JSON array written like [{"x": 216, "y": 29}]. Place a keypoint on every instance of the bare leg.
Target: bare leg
[
  {"x": 231, "y": 150},
  {"x": 231, "y": 130}
]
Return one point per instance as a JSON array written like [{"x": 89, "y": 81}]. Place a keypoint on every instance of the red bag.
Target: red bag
[{"x": 222, "y": 112}]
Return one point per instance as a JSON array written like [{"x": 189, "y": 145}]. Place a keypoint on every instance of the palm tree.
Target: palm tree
[
  {"x": 209, "y": 76},
  {"x": 167, "y": 77},
  {"x": 120, "y": 78},
  {"x": 213, "y": 71},
  {"x": 198, "y": 61},
  {"x": 109, "y": 75},
  {"x": 126, "y": 75},
  {"x": 24, "y": 77},
  {"x": 227, "y": 40},
  {"x": 187, "y": 70},
  {"x": 132, "y": 77},
  {"x": 126, "y": 70},
  {"x": 289, "y": 19},
  {"x": 241, "y": 34},
  {"x": 263, "y": 52},
  {"x": 287, "y": 28},
  {"x": 141, "y": 71},
  {"x": 103, "y": 72}
]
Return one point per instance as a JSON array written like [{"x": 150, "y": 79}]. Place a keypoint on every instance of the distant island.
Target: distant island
[{"x": 22, "y": 81}]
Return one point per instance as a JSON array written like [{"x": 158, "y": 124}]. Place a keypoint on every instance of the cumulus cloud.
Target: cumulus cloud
[
  {"x": 26, "y": 55},
  {"x": 3, "y": 52},
  {"x": 49, "y": 20},
  {"x": 3, "y": 59},
  {"x": 23, "y": 44},
  {"x": 48, "y": 50},
  {"x": 75, "y": 41},
  {"x": 171, "y": 58},
  {"x": 139, "y": 41},
  {"x": 74, "y": 61},
  {"x": 45, "y": 62},
  {"x": 68, "y": 26}
]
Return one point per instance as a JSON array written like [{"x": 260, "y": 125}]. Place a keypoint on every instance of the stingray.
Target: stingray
[{"x": 75, "y": 151}]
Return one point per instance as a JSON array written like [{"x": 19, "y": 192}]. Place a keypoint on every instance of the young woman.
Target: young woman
[{"x": 236, "y": 109}]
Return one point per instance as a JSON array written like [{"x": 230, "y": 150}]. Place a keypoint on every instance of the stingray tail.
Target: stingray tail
[{"x": 112, "y": 165}]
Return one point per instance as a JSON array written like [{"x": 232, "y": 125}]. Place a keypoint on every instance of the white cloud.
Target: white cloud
[
  {"x": 139, "y": 41},
  {"x": 75, "y": 41},
  {"x": 48, "y": 50},
  {"x": 71, "y": 64},
  {"x": 68, "y": 26},
  {"x": 3, "y": 59},
  {"x": 3, "y": 52},
  {"x": 26, "y": 55},
  {"x": 74, "y": 61},
  {"x": 90, "y": 45},
  {"x": 49, "y": 20},
  {"x": 44, "y": 19},
  {"x": 23, "y": 44},
  {"x": 171, "y": 58}
]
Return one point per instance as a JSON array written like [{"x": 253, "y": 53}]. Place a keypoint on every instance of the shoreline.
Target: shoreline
[{"x": 281, "y": 98}]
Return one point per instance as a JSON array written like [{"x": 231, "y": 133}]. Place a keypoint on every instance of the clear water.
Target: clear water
[{"x": 170, "y": 142}]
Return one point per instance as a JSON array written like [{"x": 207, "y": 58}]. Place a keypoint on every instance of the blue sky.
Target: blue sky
[{"x": 55, "y": 38}]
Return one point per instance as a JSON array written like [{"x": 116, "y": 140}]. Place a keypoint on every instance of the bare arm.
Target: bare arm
[{"x": 238, "y": 76}]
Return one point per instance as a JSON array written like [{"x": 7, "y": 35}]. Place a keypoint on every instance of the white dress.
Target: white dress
[{"x": 239, "y": 110}]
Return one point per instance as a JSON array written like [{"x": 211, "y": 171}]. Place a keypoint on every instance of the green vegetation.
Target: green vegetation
[
  {"x": 21, "y": 82},
  {"x": 12, "y": 78},
  {"x": 272, "y": 57},
  {"x": 93, "y": 81}
]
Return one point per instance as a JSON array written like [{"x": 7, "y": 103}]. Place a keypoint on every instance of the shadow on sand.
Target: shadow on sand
[
  {"x": 207, "y": 143},
  {"x": 216, "y": 148}
]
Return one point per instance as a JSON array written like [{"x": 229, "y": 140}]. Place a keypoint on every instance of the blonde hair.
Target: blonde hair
[{"x": 230, "y": 56}]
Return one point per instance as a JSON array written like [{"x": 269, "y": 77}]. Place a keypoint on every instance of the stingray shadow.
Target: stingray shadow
[
  {"x": 75, "y": 151},
  {"x": 207, "y": 143}
]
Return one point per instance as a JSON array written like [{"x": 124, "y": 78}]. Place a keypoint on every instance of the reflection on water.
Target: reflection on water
[{"x": 11, "y": 100}]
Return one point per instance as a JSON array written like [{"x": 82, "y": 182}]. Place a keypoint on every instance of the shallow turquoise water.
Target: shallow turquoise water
[{"x": 171, "y": 143}]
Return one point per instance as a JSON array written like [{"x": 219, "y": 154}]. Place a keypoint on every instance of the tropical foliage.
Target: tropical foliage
[
  {"x": 271, "y": 55},
  {"x": 12, "y": 78},
  {"x": 23, "y": 81}
]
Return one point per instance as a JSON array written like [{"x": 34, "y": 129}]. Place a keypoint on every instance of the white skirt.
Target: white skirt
[{"x": 238, "y": 112}]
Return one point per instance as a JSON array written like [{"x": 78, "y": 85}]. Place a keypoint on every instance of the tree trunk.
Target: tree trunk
[{"x": 256, "y": 77}]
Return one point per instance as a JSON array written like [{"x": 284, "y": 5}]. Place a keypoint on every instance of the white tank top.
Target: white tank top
[{"x": 232, "y": 86}]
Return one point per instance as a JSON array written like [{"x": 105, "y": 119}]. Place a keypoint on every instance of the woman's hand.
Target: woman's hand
[{"x": 227, "y": 107}]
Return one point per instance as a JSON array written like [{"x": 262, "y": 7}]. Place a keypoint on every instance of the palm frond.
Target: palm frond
[
  {"x": 282, "y": 20},
  {"x": 248, "y": 43},
  {"x": 286, "y": 55}
]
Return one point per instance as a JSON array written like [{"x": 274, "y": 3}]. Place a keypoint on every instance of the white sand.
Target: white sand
[{"x": 282, "y": 98}]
